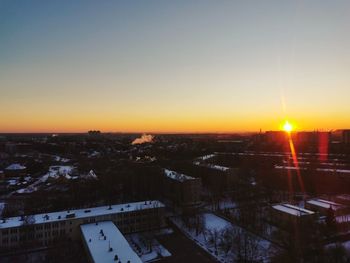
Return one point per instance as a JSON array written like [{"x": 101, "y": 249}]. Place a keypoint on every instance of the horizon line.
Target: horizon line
[{"x": 169, "y": 132}]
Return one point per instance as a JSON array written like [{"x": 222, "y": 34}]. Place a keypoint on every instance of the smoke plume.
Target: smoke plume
[{"x": 143, "y": 139}]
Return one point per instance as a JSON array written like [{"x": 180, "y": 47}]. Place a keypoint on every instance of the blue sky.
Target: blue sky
[{"x": 173, "y": 65}]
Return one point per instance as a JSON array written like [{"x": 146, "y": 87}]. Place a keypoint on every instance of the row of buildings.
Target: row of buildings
[
  {"x": 285, "y": 214},
  {"x": 309, "y": 137}
]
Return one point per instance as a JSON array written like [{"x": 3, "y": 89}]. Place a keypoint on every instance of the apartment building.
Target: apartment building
[
  {"x": 182, "y": 190},
  {"x": 44, "y": 229}
]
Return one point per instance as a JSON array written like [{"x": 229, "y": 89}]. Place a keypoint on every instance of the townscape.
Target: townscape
[
  {"x": 174, "y": 131},
  {"x": 109, "y": 197}
]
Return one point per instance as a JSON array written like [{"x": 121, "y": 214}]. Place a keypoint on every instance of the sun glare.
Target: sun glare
[{"x": 287, "y": 127}]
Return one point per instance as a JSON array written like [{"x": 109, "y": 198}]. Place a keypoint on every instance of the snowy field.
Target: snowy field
[{"x": 226, "y": 241}]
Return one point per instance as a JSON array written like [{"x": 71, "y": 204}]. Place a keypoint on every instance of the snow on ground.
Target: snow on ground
[
  {"x": 28, "y": 190},
  {"x": 61, "y": 159},
  {"x": 57, "y": 171},
  {"x": 213, "y": 222},
  {"x": 13, "y": 181},
  {"x": 215, "y": 225},
  {"x": 147, "y": 247}
]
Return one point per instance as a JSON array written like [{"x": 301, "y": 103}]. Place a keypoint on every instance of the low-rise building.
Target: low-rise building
[
  {"x": 105, "y": 243},
  {"x": 322, "y": 206},
  {"x": 43, "y": 229},
  {"x": 182, "y": 190},
  {"x": 343, "y": 199},
  {"x": 286, "y": 214}
]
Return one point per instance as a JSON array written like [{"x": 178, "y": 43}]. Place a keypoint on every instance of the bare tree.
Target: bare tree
[
  {"x": 226, "y": 239},
  {"x": 213, "y": 238},
  {"x": 246, "y": 246}
]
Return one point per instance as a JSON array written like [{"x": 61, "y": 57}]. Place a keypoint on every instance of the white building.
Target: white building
[{"x": 105, "y": 243}]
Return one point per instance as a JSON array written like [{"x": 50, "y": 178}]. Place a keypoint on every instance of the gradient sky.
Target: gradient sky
[{"x": 174, "y": 66}]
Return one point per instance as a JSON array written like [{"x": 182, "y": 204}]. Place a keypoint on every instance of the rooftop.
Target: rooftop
[
  {"x": 324, "y": 203},
  {"x": 343, "y": 196},
  {"x": 15, "y": 166},
  {"x": 107, "y": 244},
  {"x": 212, "y": 166},
  {"x": 82, "y": 213},
  {"x": 293, "y": 210},
  {"x": 177, "y": 176}
]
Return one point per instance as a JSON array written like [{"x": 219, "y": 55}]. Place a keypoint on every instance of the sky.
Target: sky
[{"x": 174, "y": 66}]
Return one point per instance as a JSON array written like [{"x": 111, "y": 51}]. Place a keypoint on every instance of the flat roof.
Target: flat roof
[
  {"x": 324, "y": 203},
  {"x": 293, "y": 210},
  {"x": 343, "y": 196},
  {"x": 206, "y": 157},
  {"x": 177, "y": 176},
  {"x": 106, "y": 243},
  {"x": 212, "y": 166},
  {"x": 82, "y": 213}
]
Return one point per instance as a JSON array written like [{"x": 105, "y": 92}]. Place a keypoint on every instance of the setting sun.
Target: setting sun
[{"x": 287, "y": 127}]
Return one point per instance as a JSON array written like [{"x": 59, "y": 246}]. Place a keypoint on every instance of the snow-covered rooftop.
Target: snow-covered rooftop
[
  {"x": 293, "y": 210},
  {"x": 82, "y": 213},
  {"x": 212, "y": 166},
  {"x": 107, "y": 244},
  {"x": 177, "y": 176},
  {"x": 317, "y": 169},
  {"x": 206, "y": 157},
  {"x": 15, "y": 166},
  {"x": 340, "y": 197},
  {"x": 324, "y": 203}
]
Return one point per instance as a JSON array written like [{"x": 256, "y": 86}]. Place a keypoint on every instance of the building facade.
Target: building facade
[
  {"x": 182, "y": 190},
  {"x": 44, "y": 229}
]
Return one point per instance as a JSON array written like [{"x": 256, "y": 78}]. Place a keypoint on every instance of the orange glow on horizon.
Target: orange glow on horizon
[{"x": 192, "y": 122}]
